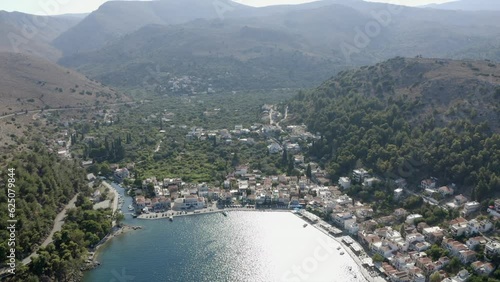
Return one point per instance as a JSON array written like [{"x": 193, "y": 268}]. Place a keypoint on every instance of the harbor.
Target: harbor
[
  {"x": 346, "y": 244},
  {"x": 263, "y": 251}
]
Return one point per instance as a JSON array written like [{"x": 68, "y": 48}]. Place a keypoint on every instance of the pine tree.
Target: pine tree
[{"x": 284, "y": 158}]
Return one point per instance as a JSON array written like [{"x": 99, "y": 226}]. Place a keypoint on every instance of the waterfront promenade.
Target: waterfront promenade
[
  {"x": 369, "y": 276},
  {"x": 214, "y": 209}
]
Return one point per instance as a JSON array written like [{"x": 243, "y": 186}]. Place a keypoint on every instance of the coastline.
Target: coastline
[
  {"x": 116, "y": 229},
  {"x": 165, "y": 215},
  {"x": 162, "y": 215},
  {"x": 347, "y": 249},
  {"x": 114, "y": 233}
]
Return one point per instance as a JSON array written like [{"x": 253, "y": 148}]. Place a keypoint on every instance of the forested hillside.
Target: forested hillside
[
  {"x": 43, "y": 186},
  {"x": 410, "y": 118}
]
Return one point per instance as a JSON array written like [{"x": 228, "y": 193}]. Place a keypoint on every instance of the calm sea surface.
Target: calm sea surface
[{"x": 244, "y": 246}]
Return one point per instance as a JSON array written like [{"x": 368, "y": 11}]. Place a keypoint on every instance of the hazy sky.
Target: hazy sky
[{"x": 51, "y": 7}]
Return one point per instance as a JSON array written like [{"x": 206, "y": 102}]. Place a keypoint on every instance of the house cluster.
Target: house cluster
[
  {"x": 430, "y": 188},
  {"x": 251, "y": 135},
  {"x": 404, "y": 250},
  {"x": 239, "y": 133},
  {"x": 59, "y": 144},
  {"x": 186, "y": 85},
  {"x": 173, "y": 193},
  {"x": 360, "y": 176},
  {"x": 251, "y": 187},
  {"x": 495, "y": 210}
]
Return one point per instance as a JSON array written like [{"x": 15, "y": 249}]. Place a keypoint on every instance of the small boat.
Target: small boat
[
  {"x": 130, "y": 208},
  {"x": 338, "y": 248},
  {"x": 341, "y": 253},
  {"x": 305, "y": 225},
  {"x": 224, "y": 213},
  {"x": 134, "y": 215},
  {"x": 171, "y": 218},
  {"x": 350, "y": 268}
]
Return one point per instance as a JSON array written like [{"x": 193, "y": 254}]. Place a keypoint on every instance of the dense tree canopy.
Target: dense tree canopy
[{"x": 397, "y": 135}]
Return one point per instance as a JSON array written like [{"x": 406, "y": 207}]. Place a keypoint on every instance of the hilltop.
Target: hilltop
[
  {"x": 114, "y": 19},
  {"x": 446, "y": 89},
  {"x": 410, "y": 118},
  {"x": 469, "y": 5},
  {"x": 32, "y": 34},
  {"x": 31, "y": 83}
]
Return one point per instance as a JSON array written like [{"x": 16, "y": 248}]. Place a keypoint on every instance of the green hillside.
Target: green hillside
[{"x": 410, "y": 118}]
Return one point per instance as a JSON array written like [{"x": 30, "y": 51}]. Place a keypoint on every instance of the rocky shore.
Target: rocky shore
[{"x": 91, "y": 261}]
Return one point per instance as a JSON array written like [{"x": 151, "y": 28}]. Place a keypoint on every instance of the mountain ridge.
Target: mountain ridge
[
  {"x": 32, "y": 34},
  {"x": 468, "y": 5},
  {"x": 300, "y": 47}
]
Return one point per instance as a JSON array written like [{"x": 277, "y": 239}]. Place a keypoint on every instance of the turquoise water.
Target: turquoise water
[{"x": 244, "y": 246}]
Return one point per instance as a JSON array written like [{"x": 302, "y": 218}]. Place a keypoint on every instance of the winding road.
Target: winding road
[
  {"x": 58, "y": 223},
  {"x": 61, "y": 109}
]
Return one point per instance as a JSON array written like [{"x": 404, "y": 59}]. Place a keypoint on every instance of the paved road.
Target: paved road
[
  {"x": 61, "y": 109},
  {"x": 115, "y": 199},
  {"x": 58, "y": 223}
]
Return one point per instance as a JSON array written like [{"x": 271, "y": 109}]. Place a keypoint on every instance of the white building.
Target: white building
[
  {"x": 345, "y": 182},
  {"x": 470, "y": 207},
  {"x": 492, "y": 248},
  {"x": 412, "y": 217},
  {"x": 189, "y": 202},
  {"x": 398, "y": 193},
  {"x": 458, "y": 229},
  {"x": 344, "y": 200},
  {"x": 368, "y": 182},
  {"x": 475, "y": 226},
  {"x": 462, "y": 276},
  {"x": 359, "y": 175},
  {"x": 344, "y": 220}
]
